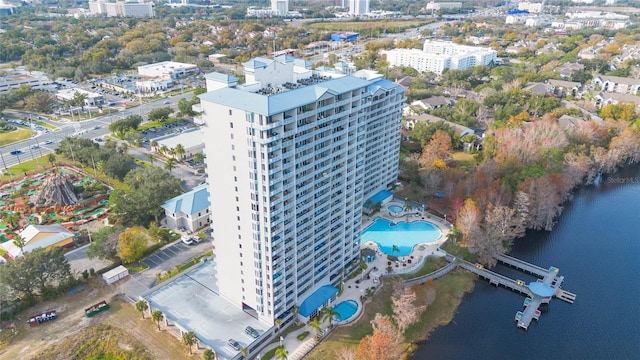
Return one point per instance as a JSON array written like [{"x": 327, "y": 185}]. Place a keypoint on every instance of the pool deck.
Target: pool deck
[{"x": 355, "y": 288}]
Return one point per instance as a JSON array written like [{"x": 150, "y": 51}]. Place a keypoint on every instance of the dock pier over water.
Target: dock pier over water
[{"x": 538, "y": 292}]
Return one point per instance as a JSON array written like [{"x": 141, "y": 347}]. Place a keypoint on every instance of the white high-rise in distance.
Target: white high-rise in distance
[
  {"x": 292, "y": 155},
  {"x": 358, "y": 7},
  {"x": 281, "y": 7}
]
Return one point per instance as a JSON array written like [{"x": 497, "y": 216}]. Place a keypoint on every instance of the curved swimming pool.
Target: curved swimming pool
[
  {"x": 395, "y": 208},
  {"x": 399, "y": 238},
  {"x": 345, "y": 309}
]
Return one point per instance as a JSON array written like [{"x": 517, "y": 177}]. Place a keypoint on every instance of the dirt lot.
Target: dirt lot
[{"x": 71, "y": 320}]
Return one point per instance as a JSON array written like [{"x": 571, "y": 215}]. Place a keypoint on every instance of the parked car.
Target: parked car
[
  {"x": 166, "y": 102},
  {"x": 35, "y": 146},
  {"x": 48, "y": 142},
  {"x": 234, "y": 344},
  {"x": 187, "y": 240},
  {"x": 196, "y": 239},
  {"x": 252, "y": 332}
]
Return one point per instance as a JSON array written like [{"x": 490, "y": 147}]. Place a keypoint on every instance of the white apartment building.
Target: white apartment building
[
  {"x": 121, "y": 8},
  {"x": 280, "y": 7},
  {"x": 439, "y": 55},
  {"x": 358, "y": 7},
  {"x": 292, "y": 156},
  {"x": 531, "y": 7},
  {"x": 167, "y": 70},
  {"x": 435, "y": 6},
  {"x": 36, "y": 82}
]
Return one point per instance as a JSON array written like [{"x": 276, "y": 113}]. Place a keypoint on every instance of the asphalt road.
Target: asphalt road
[{"x": 85, "y": 129}]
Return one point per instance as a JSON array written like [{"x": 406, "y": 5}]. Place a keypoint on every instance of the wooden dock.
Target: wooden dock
[{"x": 533, "y": 302}]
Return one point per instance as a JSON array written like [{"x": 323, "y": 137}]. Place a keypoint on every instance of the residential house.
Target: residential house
[
  {"x": 189, "y": 210},
  {"x": 39, "y": 236},
  {"x": 617, "y": 84},
  {"x": 461, "y": 130},
  {"x": 564, "y": 88},
  {"x": 433, "y": 102},
  {"x": 566, "y": 70},
  {"x": 603, "y": 99}
]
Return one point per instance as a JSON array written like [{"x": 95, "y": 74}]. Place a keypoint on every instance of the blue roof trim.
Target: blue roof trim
[
  {"x": 315, "y": 300},
  {"x": 190, "y": 202}
]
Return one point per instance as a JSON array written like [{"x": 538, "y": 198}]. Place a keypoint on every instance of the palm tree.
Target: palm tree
[
  {"x": 154, "y": 145},
  {"x": 179, "y": 150},
  {"x": 394, "y": 248},
  {"x": 172, "y": 152},
  {"x": 208, "y": 354},
  {"x": 315, "y": 325},
  {"x": 244, "y": 351},
  {"x": 278, "y": 324},
  {"x": 164, "y": 149},
  {"x": 150, "y": 158},
  {"x": 170, "y": 164},
  {"x": 281, "y": 353},
  {"x": 142, "y": 306},
  {"x": 51, "y": 158},
  {"x": 124, "y": 147},
  {"x": 189, "y": 339},
  {"x": 328, "y": 313},
  {"x": 12, "y": 219},
  {"x": 199, "y": 157},
  {"x": 19, "y": 242},
  {"x": 157, "y": 316},
  {"x": 294, "y": 313}
]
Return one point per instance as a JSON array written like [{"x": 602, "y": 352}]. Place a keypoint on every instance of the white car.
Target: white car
[
  {"x": 187, "y": 240},
  {"x": 35, "y": 146}
]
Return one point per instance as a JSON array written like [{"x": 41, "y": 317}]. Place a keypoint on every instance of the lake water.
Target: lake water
[{"x": 596, "y": 246}]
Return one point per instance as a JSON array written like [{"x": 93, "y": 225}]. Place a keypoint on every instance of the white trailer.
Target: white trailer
[{"x": 114, "y": 275}]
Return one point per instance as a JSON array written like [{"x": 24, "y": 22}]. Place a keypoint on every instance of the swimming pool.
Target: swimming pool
[
  {"x": 345, "y": 309},
  {"x": 403, "y": 235},
  {"x": 395, "y": 208}
]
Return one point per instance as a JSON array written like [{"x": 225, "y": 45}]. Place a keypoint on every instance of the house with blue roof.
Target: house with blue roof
[{"x": 189, "y": 210}]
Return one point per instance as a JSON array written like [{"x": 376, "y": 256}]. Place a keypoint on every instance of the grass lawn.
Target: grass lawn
[
  {"x": 137, "y": 267},
  {"x": 45, "y": 124},
  {"x": 13, "y": 136},
  {"x": 432, "y": 264},
  {"x": 449, "y": 290},
  {"x": 459, "y": 251},
  {"x": 40, "y": 163},
  {"x": 463, "y": 156},
  {"x": 358, "y": 26},
  {"x": 152, "y": 124}
]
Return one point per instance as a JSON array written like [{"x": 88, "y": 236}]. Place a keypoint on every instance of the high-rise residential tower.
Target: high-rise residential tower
[
  {"x": 281, "y": 7},
  {"x": 358, "y": 7},
  {"x": 292, "y": 155}
]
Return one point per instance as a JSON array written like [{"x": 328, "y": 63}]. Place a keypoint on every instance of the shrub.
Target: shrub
[{"x": 303, "y": 335}]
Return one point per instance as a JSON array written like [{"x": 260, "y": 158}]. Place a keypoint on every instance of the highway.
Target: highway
[{"x": 44, "y": 143}]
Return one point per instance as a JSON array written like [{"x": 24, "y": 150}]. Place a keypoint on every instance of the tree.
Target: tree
[
  {"x": 244, "y": 351},
  {"x": 36, "y": 272},
  {"x": 179, "y": 150},
  {"x": 185, "y": 107},
  {"x": 147, "y": 189},
  {"x": 154, "y": 144},
  {"x": 131, "y": 245},
  {"x": 328, "y": 313},
  {"x": 345, "y": 353},
  {"x": 394, "y": 249},
  {"x": 278, "y": 324},
  {"x": 104, "y": 244},
  {"x": 189, "y": 339},
  {"x": 405, "y": 311},
  {"x": 199, "y": 157},
  {"x": 160, "y": 114},
  {"x": 142, "y": 306},
  {"x": 468, "y": 220},
  {"x": 281, "y": 353},
  {"x": 315, "y": 325},
  {"x": 120, "y": 127},
  {"x": 150, "y": 158},
  {"x": 51, "y": 158},
  {"x": 157, "y": 316},
  {"x": 170, "y": 164},
  {"x": 294, "y": 313},
  {"x": 437, "y": 150},
  {"x": 118, "y": 165},
  {"x": 19, "y": 242},
  {"x": 40, "y": 101},
  {"x": 208, "y": 354},
  {"x": 383, "y": 343}
]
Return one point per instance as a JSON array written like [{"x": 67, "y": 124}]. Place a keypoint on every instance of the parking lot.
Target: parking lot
[{"x": 175, "y": 251}]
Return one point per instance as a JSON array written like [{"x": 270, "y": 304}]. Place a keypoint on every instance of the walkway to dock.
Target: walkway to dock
[{"x": 538, "y": 293}]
